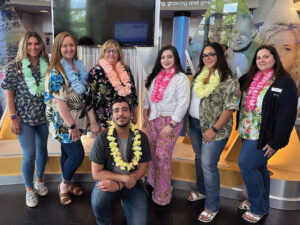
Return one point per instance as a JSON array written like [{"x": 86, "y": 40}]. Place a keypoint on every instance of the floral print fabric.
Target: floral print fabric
[
  {"x": 58, "y": 87},
  {"x": 100, "y": 94},
  {"x": 29, "y": 109},
  {"x": 159, "y": 171},
  {"x": 250, "y": 121}
]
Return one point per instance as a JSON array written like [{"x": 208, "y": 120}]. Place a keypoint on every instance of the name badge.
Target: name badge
[{"x": 279, "y": 90}]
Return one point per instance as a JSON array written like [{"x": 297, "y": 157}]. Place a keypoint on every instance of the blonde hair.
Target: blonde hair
[
  {"x": 22, "y": 53},
  {"x": 112, "y": 43},
  {"x": 56, "y": 53},
  {"x": 272, "y": 30}
]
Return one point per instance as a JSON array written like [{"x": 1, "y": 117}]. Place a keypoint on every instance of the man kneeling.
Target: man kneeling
[{"x": 119, "y": 160}]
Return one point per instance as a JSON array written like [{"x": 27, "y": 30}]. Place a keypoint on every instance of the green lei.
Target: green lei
[{"x": 31, "y": 84}]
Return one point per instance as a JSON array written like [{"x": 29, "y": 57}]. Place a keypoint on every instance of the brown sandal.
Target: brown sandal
[
  {"x": 64, "y": 198},
  {"x": 74, "y": 190}
]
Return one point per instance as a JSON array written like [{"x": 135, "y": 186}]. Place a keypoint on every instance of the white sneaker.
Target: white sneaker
[
  {"x": 41, "y": 188},
  {"x": 31, "y": 199}
]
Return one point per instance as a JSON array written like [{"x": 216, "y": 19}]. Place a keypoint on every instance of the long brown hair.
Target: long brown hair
[
  {"x": 278, "y": 69},
  {"x": 56, "y": 54}
]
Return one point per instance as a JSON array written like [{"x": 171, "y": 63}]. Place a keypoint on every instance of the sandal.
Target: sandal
[
  {"x": 208, "y": 215},
  {"x": 64, "y": 198},
  {"x": 251, "y": 217},
  {"x": 244, "y": 205},
  {"x": 195, "y": 196},
  {"x": 74, "y": 190}
]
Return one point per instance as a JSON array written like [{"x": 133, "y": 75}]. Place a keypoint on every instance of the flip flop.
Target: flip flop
[
  {"x": 195, "y": 196},
  {"x": 209, "y": 215},
  {"x": 244, "y": 205},
  {"x": 74, "y": 190},
  {"x": 64, "y": 198},
  {"x": 254, "y": 218}
]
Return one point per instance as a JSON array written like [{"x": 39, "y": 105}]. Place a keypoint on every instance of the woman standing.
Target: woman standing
[
  {"x": 106, "y": 81},
  {"x": 65, "y": 86},
  {"x": 214, "y": 99},
  {"x": 24, "y": 83},
  {"x": 267, "y": 115},
  {"x": 165, "y": 104}
]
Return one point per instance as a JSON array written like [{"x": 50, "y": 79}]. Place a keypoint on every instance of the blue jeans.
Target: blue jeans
[
  {"x": 209, "y": 157},
  {"x": 134, "y": 202},
  {"x": 196, "y": 138},
  {"x": 33, "y": 140},
  {"x": 72, "y": 155},
  {"x": 253, "y": 166}
]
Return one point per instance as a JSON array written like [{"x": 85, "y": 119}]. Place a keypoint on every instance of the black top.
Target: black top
[
  {"x": 100, "y": 153},
  {"x": 279, "y": 112}
]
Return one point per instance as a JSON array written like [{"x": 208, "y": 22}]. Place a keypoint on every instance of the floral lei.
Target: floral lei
[
  {"x": 115, "y": 151},
  {"x": 78, "y": 83},
  {"x": 34, "y": 89},
  {"x": 161, "y": 83},
  {"x": 202, "y": 90},
  {"x": 119, "y": 79},
  {"x": 260, "y": 80}
]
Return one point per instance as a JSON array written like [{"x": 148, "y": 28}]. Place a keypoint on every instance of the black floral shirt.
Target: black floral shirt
[
  {"x": 100, "y": 94},
  {"x": 30, "y": 109}
]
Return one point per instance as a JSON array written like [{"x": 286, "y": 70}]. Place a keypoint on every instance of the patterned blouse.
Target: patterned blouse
[
  {"x": 30, "y": 109},
  {"x": 100, "y": 94},
  {"x": 250, "y": 121},
  {"x": 57, "y": 86},
  {"x": 224, "y": 97}
]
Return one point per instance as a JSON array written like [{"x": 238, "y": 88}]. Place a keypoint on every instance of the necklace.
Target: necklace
[
  {"x": 34, "y": 89},
  {"x": 161, "y": 83},
  {"x": 260, "y": 80},
  {"x": 115, "y": 151},
  {"x": 119, "y": 79},
  {"x": 202, "y": 90}
]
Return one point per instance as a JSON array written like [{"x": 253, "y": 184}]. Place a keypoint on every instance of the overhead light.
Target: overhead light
[{"x": 43, "y": 11}]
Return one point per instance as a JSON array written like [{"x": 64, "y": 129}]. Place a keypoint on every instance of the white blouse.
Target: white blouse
[
  {"x": 195, "y": 105},
  {"x": 175, "y": 100}
]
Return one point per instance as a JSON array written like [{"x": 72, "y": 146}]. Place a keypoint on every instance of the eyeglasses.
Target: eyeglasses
[
  {"x": 112, "y": 51},
  {"x": 209, "y": 55}
]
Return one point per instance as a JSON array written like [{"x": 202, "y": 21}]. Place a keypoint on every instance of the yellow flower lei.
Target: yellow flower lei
[
  {"x": 205, "y": 90},
  {"x": 115, "y": 151}
]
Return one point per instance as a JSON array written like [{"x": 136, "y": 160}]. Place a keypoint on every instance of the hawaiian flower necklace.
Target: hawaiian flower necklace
[
  {"x": 34, "y": 89},
  {"x": 161, "y": 83},
  {"x": 119, "y": 79},
  {"x": 202, "y": 90},
  {"x": 115, "y": 151},
  {"x": 260, "y": 80}
]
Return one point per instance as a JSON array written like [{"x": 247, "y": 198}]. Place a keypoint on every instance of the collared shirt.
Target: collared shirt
[
  {"x": 30, "y": 109},
  {"x": 175, "y": 100},
  {"x": 224, "y": 97}
]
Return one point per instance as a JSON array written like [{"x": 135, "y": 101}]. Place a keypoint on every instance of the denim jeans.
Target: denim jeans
[
  {"x": 33, "y": 140},
  {"x": 210, "y": 156},
  {"x": 134, "y": 202},
  {"x": 72, "y": 155},
  {"x": 196, "y": 138},
  {"x": 253, "y": 166}
]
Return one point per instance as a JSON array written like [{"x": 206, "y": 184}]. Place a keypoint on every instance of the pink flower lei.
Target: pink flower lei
[
  {"x": 119, "y": 79},
  {"x": 161, "y": 83},
  {"x": 260, "y": 80}
]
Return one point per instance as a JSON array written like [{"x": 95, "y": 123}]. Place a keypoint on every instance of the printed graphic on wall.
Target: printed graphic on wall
[
  {"x": 11, "y": 30},
  {"x": 229, "y": 23}
]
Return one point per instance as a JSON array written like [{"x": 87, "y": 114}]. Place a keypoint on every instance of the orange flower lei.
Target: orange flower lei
[{"x": 119, "y": 79}]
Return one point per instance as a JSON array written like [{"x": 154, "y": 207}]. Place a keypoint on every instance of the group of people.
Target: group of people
[{"x": 61, "y": 98}]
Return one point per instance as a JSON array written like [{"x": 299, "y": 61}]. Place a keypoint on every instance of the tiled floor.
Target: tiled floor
[{"x": 49, "y": 212}]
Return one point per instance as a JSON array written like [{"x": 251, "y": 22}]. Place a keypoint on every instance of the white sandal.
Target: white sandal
[
  {"x": 254, "y": 218},
  {"x": 244, "y": 205},
  {"x": 195, "y": 196},
  {"x": 208, "y": 214}
]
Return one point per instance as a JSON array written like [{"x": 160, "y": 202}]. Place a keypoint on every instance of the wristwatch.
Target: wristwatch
[
  {"x": 215, "y": 129},
  {"x": 13, "y": 116},
  {"x": 73, "y": 126},
  {"x": 171, "y": 125}
]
